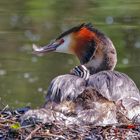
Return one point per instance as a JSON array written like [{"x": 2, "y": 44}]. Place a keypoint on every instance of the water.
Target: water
[{"x": 24, "y": 77}]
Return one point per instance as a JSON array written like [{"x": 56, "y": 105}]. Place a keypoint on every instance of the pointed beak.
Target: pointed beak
[{"x": 48, "y": 48}]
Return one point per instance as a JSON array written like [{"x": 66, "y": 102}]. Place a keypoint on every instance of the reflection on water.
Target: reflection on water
[{"x": 24, "y": 77}]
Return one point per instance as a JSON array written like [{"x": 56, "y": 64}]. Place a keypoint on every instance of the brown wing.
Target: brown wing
[
  {"x": 116, "y": 86},
  {"x": 65, "y": 87}
]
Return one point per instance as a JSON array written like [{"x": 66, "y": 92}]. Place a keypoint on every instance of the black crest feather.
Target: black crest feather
[{"x": 75, "y": 29}]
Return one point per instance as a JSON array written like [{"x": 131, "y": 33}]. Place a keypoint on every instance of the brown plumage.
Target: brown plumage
[{"x": 106, "y": 92}]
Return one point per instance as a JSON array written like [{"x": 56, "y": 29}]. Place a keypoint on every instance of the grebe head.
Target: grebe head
[{"x": 94, "y": 49}]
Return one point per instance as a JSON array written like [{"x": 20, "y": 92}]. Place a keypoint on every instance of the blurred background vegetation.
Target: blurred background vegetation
[{"x": 24, "y": 77}]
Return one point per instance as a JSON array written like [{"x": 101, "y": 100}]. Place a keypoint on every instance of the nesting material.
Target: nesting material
[{"x": 24, "y": 124}]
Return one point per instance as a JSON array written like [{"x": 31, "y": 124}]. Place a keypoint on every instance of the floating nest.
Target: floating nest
[{"x": 12, "y": 128}]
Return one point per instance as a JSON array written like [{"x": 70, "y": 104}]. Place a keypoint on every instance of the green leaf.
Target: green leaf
[{"x": 15, "y": 126}]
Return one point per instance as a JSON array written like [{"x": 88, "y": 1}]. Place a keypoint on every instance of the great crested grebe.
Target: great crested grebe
[{"x": 92, "y": 91}]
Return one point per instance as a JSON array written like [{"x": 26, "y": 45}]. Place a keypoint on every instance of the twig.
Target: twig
[
  {"x": 33, "y": 132},
  {"x": 7, "y": 106}
]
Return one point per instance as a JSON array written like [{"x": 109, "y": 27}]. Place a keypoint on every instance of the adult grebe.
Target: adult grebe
[{"x": 98, "y": 96}]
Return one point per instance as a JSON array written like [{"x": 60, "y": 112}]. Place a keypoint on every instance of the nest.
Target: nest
[{"x": 11, "y": 127}]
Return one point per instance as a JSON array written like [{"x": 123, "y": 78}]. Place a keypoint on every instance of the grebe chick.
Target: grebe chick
[{"x": 109, "y": 89}]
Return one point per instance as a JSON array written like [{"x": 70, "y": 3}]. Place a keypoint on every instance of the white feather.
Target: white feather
[
  {"x": 64, "y": 47},
  {"x": 36, "y": 48}
]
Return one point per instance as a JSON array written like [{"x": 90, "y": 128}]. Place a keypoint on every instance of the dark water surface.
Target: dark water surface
[{"x": 24, "y": 77}]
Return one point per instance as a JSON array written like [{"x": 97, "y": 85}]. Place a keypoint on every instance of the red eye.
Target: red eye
[{"x": 61, "y": 41}]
